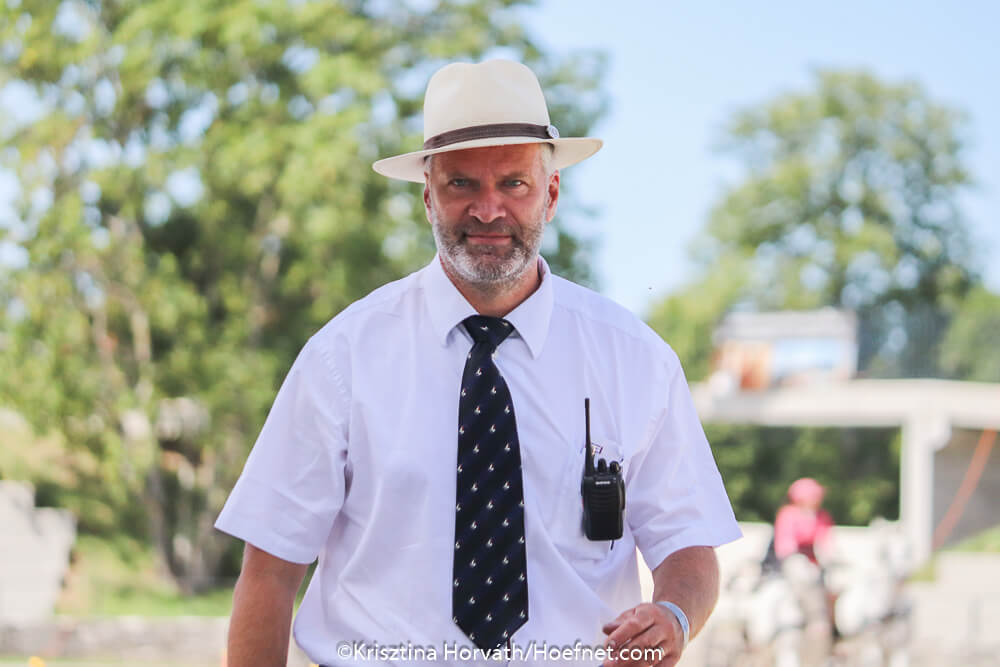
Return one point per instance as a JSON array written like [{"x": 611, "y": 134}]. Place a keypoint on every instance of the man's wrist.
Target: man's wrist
[{"x": 681, "y": 617}]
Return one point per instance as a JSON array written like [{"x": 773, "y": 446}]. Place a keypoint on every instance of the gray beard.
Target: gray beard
[{"x": 487, "y": 269}]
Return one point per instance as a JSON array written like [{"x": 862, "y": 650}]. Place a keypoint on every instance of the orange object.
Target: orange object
[{"x": 969, "y": 483}]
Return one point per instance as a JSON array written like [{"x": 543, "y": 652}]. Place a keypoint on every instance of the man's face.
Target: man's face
[{"x": 488, "y": 208}]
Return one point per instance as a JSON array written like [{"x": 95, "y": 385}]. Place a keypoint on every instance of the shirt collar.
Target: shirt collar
[{"x": 447, "y": 307}]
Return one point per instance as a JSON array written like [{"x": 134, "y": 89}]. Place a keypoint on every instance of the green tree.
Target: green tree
[
  {"x": 847, "y": 199},
  {"x": 970, "y": 349},
  {"x": 858, "y": 467},
  {"x": 196, "y": 199},
  {"x": 687, "y": 319}
]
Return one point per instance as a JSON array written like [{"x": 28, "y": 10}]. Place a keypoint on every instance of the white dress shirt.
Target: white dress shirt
[{"x": 356, "y": 465}]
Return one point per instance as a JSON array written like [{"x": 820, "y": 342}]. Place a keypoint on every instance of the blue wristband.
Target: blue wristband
[{"x": 681, "y": 618}]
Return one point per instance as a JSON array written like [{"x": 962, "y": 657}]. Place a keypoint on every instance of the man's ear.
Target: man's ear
[
  {"x": 427, "y": 195},
  {"x": 553, "y": 193}
]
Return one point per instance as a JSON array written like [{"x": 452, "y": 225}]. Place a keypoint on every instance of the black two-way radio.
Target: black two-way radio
[{"x": 603, "y": 491}]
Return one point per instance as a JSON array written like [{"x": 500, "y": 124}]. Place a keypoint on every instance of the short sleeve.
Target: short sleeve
[
  {"x": 293, "y": 483},
  {"x": 675, "y": 497}
]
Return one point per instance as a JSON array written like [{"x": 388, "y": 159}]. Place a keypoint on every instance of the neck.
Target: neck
[{"x": 498, "y": 300}]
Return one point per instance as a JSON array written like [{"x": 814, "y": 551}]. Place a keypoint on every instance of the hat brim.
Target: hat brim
[{"x": 410, "y": 166}]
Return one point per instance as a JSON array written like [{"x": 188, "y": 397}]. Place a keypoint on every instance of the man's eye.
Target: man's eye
[
  {"x": 459, "y": 182},
  {"x": 514, "y": 182}
]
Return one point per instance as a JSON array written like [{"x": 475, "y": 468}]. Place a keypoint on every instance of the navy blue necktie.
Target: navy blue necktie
[{"x": 490, "y": 587}]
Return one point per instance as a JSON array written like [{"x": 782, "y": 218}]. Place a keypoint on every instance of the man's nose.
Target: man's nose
[{"x": 487, "y": 205}]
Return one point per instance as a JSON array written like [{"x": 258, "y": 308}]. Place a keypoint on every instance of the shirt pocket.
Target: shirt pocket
[{"x": 567, "y": 524}]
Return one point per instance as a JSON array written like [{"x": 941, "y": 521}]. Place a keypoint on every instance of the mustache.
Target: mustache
[{"x": 476, "y": 228}]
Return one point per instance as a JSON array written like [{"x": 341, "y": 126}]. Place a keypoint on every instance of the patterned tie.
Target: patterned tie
[{"x": 490, "y": 593}]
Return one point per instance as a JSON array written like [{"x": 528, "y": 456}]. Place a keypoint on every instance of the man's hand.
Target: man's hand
[
  {"x": 690, "y": 579},
  {"x": 649, "y": 634}
]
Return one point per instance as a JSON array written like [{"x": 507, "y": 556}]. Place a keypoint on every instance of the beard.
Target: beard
[{"x": 488, "y": 268}]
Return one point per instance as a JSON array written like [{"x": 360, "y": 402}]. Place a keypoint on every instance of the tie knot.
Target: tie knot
[{"x": 490, "y": 330}]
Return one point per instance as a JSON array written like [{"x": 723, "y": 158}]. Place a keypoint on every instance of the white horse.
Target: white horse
[
  {"x": 872, "y": 609},
  {"x": 762, "y": 620}
]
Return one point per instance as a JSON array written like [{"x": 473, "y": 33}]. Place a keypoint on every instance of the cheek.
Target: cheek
[
  {"x": 448, "y": 210},
  {"x": 537, "y": 214}
]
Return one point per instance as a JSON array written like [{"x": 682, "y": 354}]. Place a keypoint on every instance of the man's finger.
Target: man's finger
[
  {"x": 632, "y": 626},
  {"x": 611, "y": 626},
  {"x": 648, "y": 629},
  {"x": 649, "y": 647},
  {"x": 642, "y": 650}
]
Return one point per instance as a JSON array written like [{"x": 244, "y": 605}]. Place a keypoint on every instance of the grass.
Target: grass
[
  {"x": 987, "y": 541},
  {"x": 927, "y": 572},
  {"x": 120, "y": 577},
  {"x": 136, "y": 602}
]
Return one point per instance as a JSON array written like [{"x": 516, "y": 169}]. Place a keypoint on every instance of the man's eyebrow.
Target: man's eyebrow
[{"x": 519, "y": 174}]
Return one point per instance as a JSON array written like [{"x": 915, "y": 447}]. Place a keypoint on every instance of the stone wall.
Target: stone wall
[
  {"x": 195, "y": 641},
  {"x": 123, "y": 637},
  {"x": 35, "y": 546}
]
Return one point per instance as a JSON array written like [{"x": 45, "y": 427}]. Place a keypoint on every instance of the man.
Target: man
[{"x": 427, "y": 446}]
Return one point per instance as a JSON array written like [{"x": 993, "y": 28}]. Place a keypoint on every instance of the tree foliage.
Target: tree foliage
[
  {"x": 196, "y": 199},
  {"x": 858, "y": 467},
  {"x": 848, "y": 198},
  {"x": 970, "y": 350}
]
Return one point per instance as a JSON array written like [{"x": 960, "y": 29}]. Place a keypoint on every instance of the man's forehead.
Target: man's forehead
[{"x": 511, "y": 156}]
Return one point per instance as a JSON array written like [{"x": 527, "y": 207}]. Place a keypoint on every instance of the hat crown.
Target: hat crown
[
  {"x": 494, "y": 103},
  {"x": 463, "y": 95}
]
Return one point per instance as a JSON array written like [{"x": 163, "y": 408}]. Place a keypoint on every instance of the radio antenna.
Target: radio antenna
[{"x": 590, "y": 452}]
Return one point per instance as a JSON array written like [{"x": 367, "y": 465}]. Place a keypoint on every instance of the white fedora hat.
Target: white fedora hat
[{"x": 493, "y": 103}]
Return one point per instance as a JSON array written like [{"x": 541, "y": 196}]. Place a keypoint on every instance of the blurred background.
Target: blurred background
[{"x": 803, "y": 201}]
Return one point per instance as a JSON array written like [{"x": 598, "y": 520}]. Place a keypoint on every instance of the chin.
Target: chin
[{"x": 486, "y": 273}]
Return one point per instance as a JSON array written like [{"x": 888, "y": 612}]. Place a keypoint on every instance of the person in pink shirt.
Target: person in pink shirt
[
  {"x": 802, "y": 526},
  {"x": 802, "y": 541}
]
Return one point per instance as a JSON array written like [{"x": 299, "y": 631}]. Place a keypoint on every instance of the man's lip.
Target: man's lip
[{"x": 488, "y": 238}]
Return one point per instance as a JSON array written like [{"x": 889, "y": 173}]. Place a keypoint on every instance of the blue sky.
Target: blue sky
[{"x": 678, "y": 70}]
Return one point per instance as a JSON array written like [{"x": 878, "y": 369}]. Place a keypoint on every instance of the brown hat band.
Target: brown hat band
[{"x": 490, "y": 131}]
